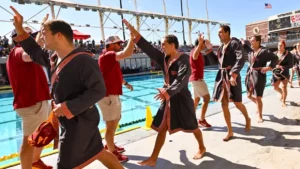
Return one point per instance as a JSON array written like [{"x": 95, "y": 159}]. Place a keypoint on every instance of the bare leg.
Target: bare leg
[
  {"x": 111, "y": 127},
  {"x": 242, "y": 108},
  {"x": 26, "y": 154},
  {"x": 196, "y": 103},
  {"x": 202, "y": 149},
  {"x": 259, "y": 104},
  {"x": 284, "y": 93},
  {"x": 160, "y": 140},
  {"x": 277, "y": 88},
  {"x": 206, "y": 100},
  {"x": 37, "y": 154},
  {"x": 226, "y": 113},
  {"x": 109, "y": 160},
  {"x": 249, "y": 94}
]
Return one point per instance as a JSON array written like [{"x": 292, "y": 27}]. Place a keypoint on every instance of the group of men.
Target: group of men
[{"x": 78, "y": 82}]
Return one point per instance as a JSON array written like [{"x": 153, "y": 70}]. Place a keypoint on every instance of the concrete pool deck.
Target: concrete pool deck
[{"x": 274, "y": 144}]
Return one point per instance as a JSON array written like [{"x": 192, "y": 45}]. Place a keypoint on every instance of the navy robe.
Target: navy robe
[
  {"x": 286, "y": 61},
  {"x": 177, "y": 111},
  {"x": 296, "y": 61},
  {"x": 77, "y": 87},
  {"x": 231, "y": 61},
  {"x": 255, "y": 80}
]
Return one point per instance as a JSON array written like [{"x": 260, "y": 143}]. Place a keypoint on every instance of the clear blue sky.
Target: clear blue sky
[{"x": 237, "y": 12}]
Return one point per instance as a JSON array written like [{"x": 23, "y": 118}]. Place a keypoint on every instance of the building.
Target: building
[{"x": 284, "y": 26}]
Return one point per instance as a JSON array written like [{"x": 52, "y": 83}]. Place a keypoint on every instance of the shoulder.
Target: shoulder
[
  {"x": 263, "y": 49},
  {"x": 16, "y": 52},
  {"x": 235, "y": 41},
  {"x": 192, "y": 52},
  {"x": 184, "y": 58},
  {"x": 290, "y": 53},
  {"x": 108, "y": 55},
  {"x": 85, "y": 58}
]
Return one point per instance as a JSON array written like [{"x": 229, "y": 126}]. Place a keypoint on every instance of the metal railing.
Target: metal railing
[{"x": 289, "y": 37}]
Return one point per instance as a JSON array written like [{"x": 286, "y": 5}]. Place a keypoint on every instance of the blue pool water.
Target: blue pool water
[{"x": 133, "y": 108}]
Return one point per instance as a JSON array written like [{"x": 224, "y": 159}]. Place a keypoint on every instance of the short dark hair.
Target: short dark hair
[
  {"x": 257, "y": 38},
  {"x": 62, "y": 27},
  {"x": 226, "y": 28},
  {"x": 172, "y": 39}
]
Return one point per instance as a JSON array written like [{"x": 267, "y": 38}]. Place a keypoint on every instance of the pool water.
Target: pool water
[{"x": 133, "y": 108}]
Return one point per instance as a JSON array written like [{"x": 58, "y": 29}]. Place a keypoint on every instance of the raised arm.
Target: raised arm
[
  {"x": 155, "y": 54},
  {"x": 33, "y": 49},
  {"x": 29, "y": 45},
  {"x": 128, "y": 51},
  {"x": 93, "y": 81},
  {"x": 199, "y": 47},
  {"x": 181, "y": 80}
]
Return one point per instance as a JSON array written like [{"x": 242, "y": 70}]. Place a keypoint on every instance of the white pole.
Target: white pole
[
  {"x": 164, "y": 4},
  {"x": 135, "y": 5},
  {"x": 187, "y": 8},
  {"x": 52, "y": 11},
  {"x": 166, "y": 19},
  {"x": 101, "y": 22},
  {"x": 208, "y": 29}
]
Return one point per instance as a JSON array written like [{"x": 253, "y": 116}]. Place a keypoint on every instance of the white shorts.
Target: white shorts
[
  {"x": 33, "y": 116},
  {"x": 200, "y": 88},
  {"x": 110, "y": 107}
]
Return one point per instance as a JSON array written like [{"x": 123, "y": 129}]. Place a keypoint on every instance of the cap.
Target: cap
[
  {"x": 27, "y": 29},
  {"x": 113, "y": 39}
]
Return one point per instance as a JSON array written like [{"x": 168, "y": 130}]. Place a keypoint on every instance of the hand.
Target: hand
[
  {"x": 132, "y": 35},
  {"x": 129, "y": 86},
  {"x": 45, "y": 19},
  {"x": 58, "y": 110},
  {"x": 279, "y": 67},
  {"x": 233, "y": 81},
  {"x": 159, "y": 96},
  {"x": 265, "y": 69},
  {"x": 130, "y": 28},
  {"x": 201, "y": 39},
  {"x": 18, "y": 19}
]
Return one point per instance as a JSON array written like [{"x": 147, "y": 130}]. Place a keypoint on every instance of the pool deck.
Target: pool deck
[{"x": 274, "y": 144}]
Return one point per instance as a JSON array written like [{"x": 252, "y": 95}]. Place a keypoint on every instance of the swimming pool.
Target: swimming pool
[{"x": 133, "y": 108}]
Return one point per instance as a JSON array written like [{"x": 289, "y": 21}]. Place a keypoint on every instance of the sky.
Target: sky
[{"x": 238, "y": 13}]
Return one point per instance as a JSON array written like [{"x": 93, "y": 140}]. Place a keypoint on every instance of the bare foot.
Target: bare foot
[
  {"x": 248, "y": 125},
  {"x": 284, "y": 105},
  {"x": 200, "y": 154},
  {"x": 149, "y": 162},
  {"x": 260, "y": 120},
  {"x": 228, "y": 137}
]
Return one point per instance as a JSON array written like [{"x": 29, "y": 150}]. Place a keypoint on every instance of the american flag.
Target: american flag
[{"x": 268, "y": 6}]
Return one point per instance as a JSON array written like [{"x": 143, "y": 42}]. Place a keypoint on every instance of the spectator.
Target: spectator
[{"x": 5, "y": 42}]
